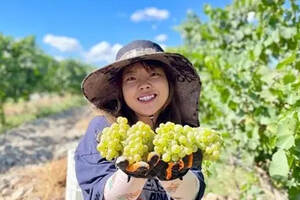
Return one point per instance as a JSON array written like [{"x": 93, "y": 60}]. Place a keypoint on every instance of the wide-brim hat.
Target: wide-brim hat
[{"x": 101, "y": 87}]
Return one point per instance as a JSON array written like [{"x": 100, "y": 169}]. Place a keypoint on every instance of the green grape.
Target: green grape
[
  {"x": 183, "y": 140},
  {"x": 188, "y": 150},
  {"x": 175, "y": 157},
  {"x": 175, "y": 148},
  {"x": 166, "y": 157}
]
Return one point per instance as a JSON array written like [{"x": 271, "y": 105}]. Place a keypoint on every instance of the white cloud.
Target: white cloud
[
  {"x": 102, "y": 51},
  {"x": 161, "y": 38},
  {"x": 62, "y": 43},
  {"x": 149, "y": 14}
]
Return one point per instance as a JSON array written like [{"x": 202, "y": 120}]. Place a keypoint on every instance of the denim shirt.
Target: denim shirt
[{"x": 92, "y": 171}]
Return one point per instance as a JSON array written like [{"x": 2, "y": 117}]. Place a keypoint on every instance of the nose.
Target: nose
[{"x": 145, "y": 86}]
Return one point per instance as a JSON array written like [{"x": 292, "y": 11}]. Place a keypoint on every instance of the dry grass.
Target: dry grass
[
  {"x": 41, "y": 182},
  {"x": 52, "y": 180},
  {"x": 21, "y": 112},
  {"x": 34, "y": 105}
]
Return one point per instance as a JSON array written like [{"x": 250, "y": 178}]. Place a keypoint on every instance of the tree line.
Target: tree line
[{"x": 25, "y": 69}]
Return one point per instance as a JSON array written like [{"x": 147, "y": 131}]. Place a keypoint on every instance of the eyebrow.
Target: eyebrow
[{"x": 129, "y": 72}]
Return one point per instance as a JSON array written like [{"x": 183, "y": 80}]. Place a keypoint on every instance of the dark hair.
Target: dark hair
[{"x": 171, "y": 111}]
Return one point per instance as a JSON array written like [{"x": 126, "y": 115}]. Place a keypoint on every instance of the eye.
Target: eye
[
  {"x": 155, "y": 74},
  {"x": 130, "y": 78}
]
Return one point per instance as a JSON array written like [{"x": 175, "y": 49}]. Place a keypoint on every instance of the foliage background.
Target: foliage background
[{"x": 247, "y": 56}]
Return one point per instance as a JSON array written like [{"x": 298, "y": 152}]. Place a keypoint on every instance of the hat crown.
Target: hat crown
[{"x": 138, "y": 48}]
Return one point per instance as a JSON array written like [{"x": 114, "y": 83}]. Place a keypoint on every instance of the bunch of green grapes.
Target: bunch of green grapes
[
  {"x": 138, "y": 142},
  {"x": 110, "y": 145},
  {"x": 209, "y": 141},
  {"x": 174, "y": 141}
]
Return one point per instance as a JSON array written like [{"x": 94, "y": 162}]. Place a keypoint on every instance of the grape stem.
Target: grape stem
[{"x": 151, "y": 118}]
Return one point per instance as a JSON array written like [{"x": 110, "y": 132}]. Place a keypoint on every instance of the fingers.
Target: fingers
[
  {"x": 197, "y": 161},
  {"x": 152, "y": 159},
  {"x": 175, "y": 169},
  {"x": 138, "y": 168},
  {"x": 188, "y": 161},
  {"x": 122, "y": 162},
  {"x": 169, "y": 171},
  {"x": 180, "y": 164}
]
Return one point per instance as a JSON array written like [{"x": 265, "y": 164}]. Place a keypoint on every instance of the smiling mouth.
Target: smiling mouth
[{"x": 147, "y": 98}]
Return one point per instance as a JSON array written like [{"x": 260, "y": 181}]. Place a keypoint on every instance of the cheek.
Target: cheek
[
  {"x": 127, "y": 93},
  {"x": 165, "y": 88}
]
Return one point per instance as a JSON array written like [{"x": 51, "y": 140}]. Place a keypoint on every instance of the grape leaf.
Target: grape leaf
[
  {"x": 285, "y": 132},
  {"x": 279, "y": 165},
  {"x": 286, "y": 61},
  {"x": 288, "y": 32},
  {"x": 285, "y": 141}
]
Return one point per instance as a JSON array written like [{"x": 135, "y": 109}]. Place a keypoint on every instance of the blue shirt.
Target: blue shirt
[{"x": 92, "y": 171}]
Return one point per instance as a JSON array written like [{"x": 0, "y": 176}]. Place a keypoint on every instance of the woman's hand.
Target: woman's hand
[
  {"x": 173, "y": 170},
  {"x": 139, "y": 169}
]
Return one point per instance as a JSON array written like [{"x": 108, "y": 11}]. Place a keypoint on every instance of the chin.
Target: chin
[{"x": 150, "y": 112}]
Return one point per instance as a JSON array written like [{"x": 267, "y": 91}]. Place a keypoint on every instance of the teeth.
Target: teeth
[{"x": 146, "y": 98}]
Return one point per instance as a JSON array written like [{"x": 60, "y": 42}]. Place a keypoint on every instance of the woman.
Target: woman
[{"x": 149, "y": 85}]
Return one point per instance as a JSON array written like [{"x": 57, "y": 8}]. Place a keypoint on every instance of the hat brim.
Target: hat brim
[{"x": 99, "y": 87}]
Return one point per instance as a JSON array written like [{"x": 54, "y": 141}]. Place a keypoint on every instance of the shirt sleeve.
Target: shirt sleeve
[
  {"x": 92, "y": 171},
  {"x": 200, "y": 177}
]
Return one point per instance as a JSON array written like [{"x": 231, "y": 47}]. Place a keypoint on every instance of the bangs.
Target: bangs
[
  {"x": 148, "y": 65},
  {"x": 151, "y": 65}
]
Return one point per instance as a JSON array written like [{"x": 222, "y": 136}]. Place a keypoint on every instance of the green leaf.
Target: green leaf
[
  {"x": 289, "y": 78},
  {"x": 285, "y": 132},
  {"x": 292, "y": 98},
  {"x": 268, "y": 41},
  {"x": 275, "y": 36},
  {"x": 286, "y": 61},
  {"x": 288, "y": 32},
  {"x": 257, "y": 50},
  {"x": 279, "y": 164},
  {"x": 297, "y": 145},
  {"x": 285, "y": 141}
]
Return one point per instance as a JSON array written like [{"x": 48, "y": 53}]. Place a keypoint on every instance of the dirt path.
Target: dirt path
[
  {"x": 28, "y": 147},
  {"x": 40, "y": 140}
]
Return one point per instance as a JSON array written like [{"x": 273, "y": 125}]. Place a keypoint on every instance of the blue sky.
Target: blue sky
[{"x": 93, "y": 30}]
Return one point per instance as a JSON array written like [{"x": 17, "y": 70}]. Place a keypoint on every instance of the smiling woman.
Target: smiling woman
[{"x": 143, "y": 84}]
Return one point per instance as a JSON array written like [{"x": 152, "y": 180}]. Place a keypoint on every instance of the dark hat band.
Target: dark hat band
[{"x": 138, "y": 48}]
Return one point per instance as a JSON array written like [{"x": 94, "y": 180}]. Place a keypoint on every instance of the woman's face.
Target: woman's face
[{"x": 145, "y": 92}]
